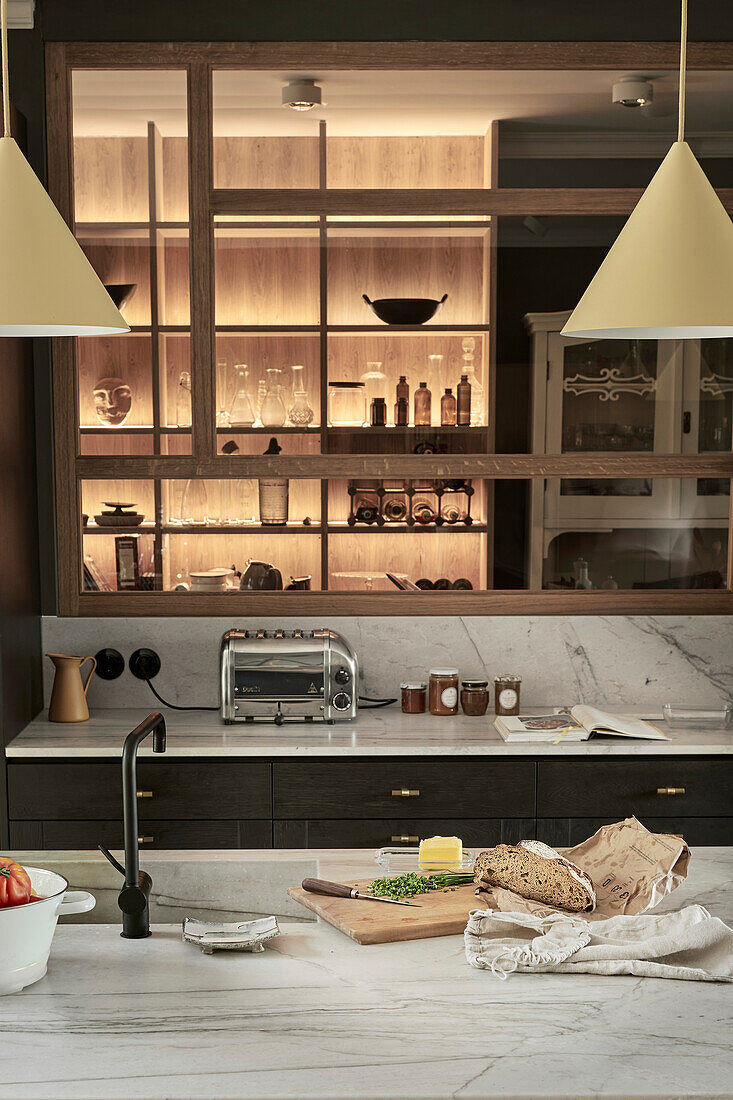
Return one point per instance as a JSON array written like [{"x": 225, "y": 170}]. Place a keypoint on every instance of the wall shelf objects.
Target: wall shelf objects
[{"x": 249, "y": 238}]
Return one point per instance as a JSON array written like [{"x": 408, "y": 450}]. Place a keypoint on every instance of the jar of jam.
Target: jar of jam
[
  {"x": 475, "y": 697},
  {"x": 443, "y": 691},
  {"x": 506, "y": 694},
  {"x": 413, "y": 698}
]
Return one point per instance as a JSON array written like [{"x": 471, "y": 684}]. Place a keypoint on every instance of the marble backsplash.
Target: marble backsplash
[{"x": 604, "y": 660}]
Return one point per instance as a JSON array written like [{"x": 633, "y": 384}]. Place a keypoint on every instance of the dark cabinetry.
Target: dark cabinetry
[{"x": 357, "y": 803}]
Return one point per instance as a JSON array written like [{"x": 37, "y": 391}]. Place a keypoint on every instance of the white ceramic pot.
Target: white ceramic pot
[{"x": 26, "y": 931}]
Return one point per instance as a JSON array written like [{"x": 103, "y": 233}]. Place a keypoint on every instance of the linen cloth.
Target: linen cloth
[{"x": 688, "y": 943}]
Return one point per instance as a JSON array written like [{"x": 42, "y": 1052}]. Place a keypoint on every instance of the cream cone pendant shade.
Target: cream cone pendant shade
[
  {"x": 47, "y": 285},
  {"x": 669, "y": 273}
]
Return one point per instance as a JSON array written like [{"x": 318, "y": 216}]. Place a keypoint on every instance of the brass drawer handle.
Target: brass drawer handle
[
  {"x": 670, "y": 790},
  {"x": 405, "y": 792},
  {"x": 144, "y": 794},
  {"x": 405, "y": 839},
  {"x": 146, "y": 840}
]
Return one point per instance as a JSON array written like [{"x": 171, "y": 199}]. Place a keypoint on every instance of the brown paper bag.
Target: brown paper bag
[{"x": 631, "y": 869}]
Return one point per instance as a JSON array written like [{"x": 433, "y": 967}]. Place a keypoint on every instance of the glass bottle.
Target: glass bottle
[
  {"x": 273, "y": 493},
  {"x": 259, "y": 400},
  {"x": 448, "y": 409},
  {"x": 610, "y": 583},
  {"x": 423, "y": 400},
  {"x": 300, "y": 414},
  {"x": 401, "y": 412},
  {"x": 183, "y": 400},
  {"x": 297, "y": 374},
  {"x": 272, "y": 413},
  {"x": 435, "y": 373},
  {"x": 375, "y": 385},
  {"x": 378, "y": 412},
  {"x": 241, "y": 413},
  {"x": 194, "y": 503},
  {"x": 402, "y": 389},
  {"x": 463, "y": 411},
  {"x": 222, "y": 393},
  {"x": 395, "y": 509},
  {"x": 582, "y": 580},
  {"x": 451, "y": 512},
  {"x": 423, "y": 511},
  {"x": 477, "y": 390}
]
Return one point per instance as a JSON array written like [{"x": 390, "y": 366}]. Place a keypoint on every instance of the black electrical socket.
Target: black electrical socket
[
  {"x": 110, "y": 663},
  {"x": 145, "y": 664}
]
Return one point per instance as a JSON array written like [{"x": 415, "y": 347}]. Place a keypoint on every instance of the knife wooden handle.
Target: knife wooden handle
[{"x": 322, "y": 886}]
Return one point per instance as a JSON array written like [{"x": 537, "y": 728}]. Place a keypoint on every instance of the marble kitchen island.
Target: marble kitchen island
[{"x": 318, "y": 1016}]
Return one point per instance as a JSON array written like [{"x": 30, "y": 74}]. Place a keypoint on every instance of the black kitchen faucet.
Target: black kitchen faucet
[{"x": 133, "y": 899}]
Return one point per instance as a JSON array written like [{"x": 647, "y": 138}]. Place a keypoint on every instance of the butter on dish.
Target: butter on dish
[{"x": 441, "y": 853}]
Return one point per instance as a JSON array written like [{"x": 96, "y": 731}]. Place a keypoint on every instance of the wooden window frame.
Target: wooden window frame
[{"x": 199, "y": 60}]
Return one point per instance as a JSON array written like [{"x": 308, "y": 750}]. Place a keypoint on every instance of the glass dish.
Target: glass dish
[
  {"x": 680, "y": 716},
  {"x": 401, "y": 859}
]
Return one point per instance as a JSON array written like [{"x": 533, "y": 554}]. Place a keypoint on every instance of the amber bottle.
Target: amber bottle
[
  {"x": 423, "y": 400},
  {"x": 464, "y": 400}
]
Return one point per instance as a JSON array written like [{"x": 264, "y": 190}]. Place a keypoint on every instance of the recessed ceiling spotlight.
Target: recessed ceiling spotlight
[
  {"x": 633, "y": 92},
  {"x": 302, "y": 94}
]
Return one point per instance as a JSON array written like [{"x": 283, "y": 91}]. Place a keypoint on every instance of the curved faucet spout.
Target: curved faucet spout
[{"x": 133, "y": 899}]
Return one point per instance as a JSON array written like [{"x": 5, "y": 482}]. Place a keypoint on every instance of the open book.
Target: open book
[{"x": 581, "y": 723}]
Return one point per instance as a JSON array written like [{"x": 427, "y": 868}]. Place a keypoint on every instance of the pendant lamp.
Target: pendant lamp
[
  {"x": 47, "y": 285},
  {"x": 669, "y": 274}
]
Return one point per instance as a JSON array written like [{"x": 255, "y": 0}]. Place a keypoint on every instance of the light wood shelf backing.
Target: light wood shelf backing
[
  {"x": 416, "y": 162},
  {"x": 272, "y": 161}
]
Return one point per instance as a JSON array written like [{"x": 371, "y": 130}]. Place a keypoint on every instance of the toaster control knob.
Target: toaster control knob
[
  {"x": 341, "y": 701},
  {"x": 342, "y": 676}
]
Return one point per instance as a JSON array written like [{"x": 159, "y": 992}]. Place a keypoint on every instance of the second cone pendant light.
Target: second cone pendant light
[{"x": 669, "y": 273}]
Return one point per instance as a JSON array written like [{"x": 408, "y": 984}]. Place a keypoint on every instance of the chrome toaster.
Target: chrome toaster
[{"x": 287, "y": 676}]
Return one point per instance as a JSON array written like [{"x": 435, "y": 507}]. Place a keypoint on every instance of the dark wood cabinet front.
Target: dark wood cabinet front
[
  {"x": 404, "y": 788},
  {"x": 357, "y": 803}
]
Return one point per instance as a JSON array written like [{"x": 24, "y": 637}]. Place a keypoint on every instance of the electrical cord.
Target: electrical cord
[
  {"x": 174, "y": 706},
  {"x": 372, "y": 704}
]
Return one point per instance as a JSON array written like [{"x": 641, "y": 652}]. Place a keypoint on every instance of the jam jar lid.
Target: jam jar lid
[
  {"x": 412, "y": 687},
  {"x": 443, "y": 671},
  {"x": 508, "y": 680},
  {"x": 475, "y": 685}
]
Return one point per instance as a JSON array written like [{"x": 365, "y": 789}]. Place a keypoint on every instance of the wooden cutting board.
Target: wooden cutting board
[{"x": 374, "y": 922}]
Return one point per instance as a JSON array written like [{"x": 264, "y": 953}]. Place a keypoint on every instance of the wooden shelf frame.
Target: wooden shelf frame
[{"x": 209, "y": 208}]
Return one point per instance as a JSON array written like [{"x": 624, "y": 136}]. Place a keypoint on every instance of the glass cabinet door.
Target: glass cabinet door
[
  {"x": 610, "y": 396},
  {"x": 707, "y": 419}
]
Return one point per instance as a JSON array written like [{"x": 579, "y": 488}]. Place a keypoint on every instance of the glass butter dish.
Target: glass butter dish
[
  {"x": 401, "y": 859},
  {"x": 685, "y": 716}
]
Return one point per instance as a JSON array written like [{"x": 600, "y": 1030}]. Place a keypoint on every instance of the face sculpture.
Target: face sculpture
[{"x": 112, "y": 401}]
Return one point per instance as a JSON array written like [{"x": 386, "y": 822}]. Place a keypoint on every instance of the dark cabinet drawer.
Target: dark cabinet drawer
[
  {"x": 187, "y": 789},
  {"x": 351, "y": 833},
  {"x": 453, "y": 789},
  {"x": 61, "y": 835},
  {"x": 564, "y": 832},
  {"x": 619, "y": 788}
]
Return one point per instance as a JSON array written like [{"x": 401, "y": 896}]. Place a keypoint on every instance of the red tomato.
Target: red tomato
[{"x": 15, "y": 883}]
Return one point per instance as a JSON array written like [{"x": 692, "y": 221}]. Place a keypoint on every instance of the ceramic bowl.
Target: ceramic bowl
[
  {"x": 26, "y": 931},
  {"x": 405, "y": 311}
]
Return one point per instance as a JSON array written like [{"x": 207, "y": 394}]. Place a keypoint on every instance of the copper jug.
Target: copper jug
[{"x": 69, "y": 695}]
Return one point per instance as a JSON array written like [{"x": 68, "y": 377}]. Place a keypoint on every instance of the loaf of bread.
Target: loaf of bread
[{"x": 537, "y": 872}]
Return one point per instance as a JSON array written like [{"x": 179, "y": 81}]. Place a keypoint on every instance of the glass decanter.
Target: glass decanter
[
  {"x": 435, "y": 376},
  {"x": 241, "y": 413},
  {"x": 477, "y": 390},
  {"x": 272, "y": 413},
  {"x": 194, "y": 503},
  {"x": 183, "y": 400},
  {"x": 300, "y": 414}
]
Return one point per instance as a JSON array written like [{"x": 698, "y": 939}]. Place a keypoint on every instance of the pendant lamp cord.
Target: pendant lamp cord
[
  {"x": 682, "y": 68},
  {"x": 6, "y": 82}
]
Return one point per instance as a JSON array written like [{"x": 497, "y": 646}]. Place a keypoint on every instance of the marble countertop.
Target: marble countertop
[
  {"x": 317, "y": 1017},
  {"x": 385, "y": 732}
]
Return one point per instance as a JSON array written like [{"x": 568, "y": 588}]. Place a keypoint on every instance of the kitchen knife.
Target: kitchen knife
[{"x": 337, "y": 890}]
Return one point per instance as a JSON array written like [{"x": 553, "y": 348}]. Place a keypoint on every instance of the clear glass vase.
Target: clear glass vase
[
  {"x": 476, "y": 415},
  {"x": 241, "y": 413},
  {"x": 222, "y": 393},
  {"x": 300, "y": 414},
  {"x": 272, "y": 413}
]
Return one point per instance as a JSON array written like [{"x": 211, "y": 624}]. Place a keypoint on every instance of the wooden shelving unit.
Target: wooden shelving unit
[{"x": 258, "y": 250}]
